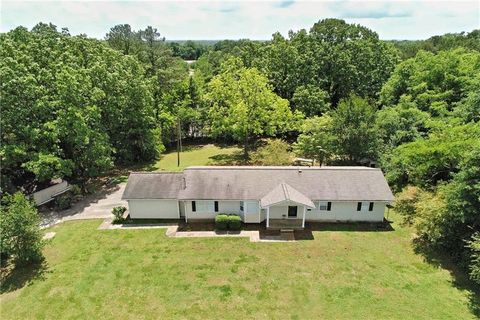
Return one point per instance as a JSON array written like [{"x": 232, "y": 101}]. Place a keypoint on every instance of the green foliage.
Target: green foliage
[
  {"x": 20, "y": 233},
  {"x": 243, "y": 106},
  {"x": 434, "y": 82},
  {"x": 406, "y": 201},
  {"x": 71, "y": 106},
  {"x": 311, "y": 100},
  {"x": 118, "y": 213},
  {"x": 274, "y": 153},
  {"x": 400, "y": 124},
  {"x": 353, "y": 128},
  {"x": 221, "y": 221},
  {"x": 474, "y": 247},
  {"x": 228, "y": 222},
  {"x": 234, "y": 222},
  {"x": 409, "y": 48},
  {"x": 426, "y": 161},
  {"x": 63, "y": 201},
  {"x": 316, "y": 140}
]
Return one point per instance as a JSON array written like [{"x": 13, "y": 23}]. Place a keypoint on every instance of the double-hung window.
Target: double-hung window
[
  {"x": 323, "y": 205},
  {"x": 364, "y": 206},
  {"x": 204, "y": 206}
]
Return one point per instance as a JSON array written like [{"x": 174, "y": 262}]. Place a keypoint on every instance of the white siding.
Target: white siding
[
  {"x": 251, "y": 208},
  {"x": 252, "y": 211},
  {"x": 153, "y": 209},
  {"x": 347, "y": 211}
]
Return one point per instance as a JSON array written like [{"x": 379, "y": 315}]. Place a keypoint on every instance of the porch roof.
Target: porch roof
[{"x": 283, "y": 193}]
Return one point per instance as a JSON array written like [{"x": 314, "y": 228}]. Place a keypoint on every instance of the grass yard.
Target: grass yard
[
  {"x": 198, "y": 155},
  {"x": 142, "y": 274}
]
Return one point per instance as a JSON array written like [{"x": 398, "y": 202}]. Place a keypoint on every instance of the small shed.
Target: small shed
[{"x": 57, "y": 187}]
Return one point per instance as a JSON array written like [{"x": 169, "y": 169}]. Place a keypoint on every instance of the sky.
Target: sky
[{"x": 256, "y": 20}]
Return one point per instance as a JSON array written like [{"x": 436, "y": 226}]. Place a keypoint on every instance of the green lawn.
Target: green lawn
[
  {"x": 198, "y": 155},
  {"x": 142, "y": 274}
]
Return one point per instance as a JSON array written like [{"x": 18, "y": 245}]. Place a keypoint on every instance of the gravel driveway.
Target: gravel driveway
[{"x": 97, "y": 206}]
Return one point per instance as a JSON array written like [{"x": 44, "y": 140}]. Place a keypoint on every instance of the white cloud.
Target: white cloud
[{"x": 246, "y": 19}]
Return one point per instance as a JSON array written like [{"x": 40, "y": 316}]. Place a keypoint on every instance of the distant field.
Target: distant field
[
  {"x": 200, "y": 155},
  {"x": 342, "y": 273}
]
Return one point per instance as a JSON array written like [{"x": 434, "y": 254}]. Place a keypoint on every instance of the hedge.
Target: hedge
[
  {"x": 221, "y": 222},
  {"x": 228, "y": 222}
]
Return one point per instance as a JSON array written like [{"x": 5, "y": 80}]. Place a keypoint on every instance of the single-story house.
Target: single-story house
[{"x": 280, "y": 196}]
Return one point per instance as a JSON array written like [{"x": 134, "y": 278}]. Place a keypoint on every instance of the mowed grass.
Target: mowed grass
[
  {"x": 142, "y": 274},
  {"x": 198, "y": 155}
]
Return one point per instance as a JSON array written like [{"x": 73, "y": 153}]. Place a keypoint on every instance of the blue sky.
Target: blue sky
[{"x": 245, "y": 19}]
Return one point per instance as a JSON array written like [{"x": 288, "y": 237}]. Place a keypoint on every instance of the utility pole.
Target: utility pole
[{"x": 179, "y": 141}]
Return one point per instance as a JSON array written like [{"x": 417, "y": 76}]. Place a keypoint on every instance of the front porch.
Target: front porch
[{"x": 278, "y": 224}]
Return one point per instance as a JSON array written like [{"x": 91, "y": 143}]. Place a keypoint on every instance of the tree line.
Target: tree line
[{"x": 75, "y": 107}]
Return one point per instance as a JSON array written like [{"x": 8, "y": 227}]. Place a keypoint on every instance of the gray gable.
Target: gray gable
[
  {"x": 153, "y": 185},
  {"x": 244, "y": 183},
  {"x": 317, "y": 183}
]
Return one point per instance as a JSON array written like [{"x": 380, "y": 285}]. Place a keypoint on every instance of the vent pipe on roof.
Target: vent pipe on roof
[{"x": 299, "y": 170}]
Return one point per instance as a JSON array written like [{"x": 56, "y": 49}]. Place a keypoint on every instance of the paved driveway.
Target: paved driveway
[{"x": 97, "y": 206}]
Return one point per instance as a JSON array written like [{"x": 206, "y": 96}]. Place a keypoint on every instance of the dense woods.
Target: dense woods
[{"x": 74, "y": 107}]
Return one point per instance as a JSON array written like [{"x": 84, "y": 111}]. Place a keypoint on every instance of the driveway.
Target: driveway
[{"x": 97, "y": 206}]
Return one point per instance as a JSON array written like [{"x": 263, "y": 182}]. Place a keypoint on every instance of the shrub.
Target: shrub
[
  {"x": 234, "y": 222},
  {"x": 474, "y": 246},
  {"x": 63, "y": 201},
  {"x": 274, "y": 153},
  {"x": 221, "y": 222},
  {"x": 20, "y": 233},
  {"x": 118, "y": 213},
  {"x": 405, "y": 203}
]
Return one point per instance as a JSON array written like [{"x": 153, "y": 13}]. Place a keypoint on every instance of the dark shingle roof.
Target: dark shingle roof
[
  {"x": 153, "y": 185},
  {"x": 223, "y": 183}
]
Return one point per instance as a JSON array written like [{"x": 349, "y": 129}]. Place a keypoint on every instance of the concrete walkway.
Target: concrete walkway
[
  {"x": 97, "y": 206},
  {"x": 172, "y": 231}
]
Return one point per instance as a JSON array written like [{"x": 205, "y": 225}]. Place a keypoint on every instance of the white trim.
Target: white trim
[
  {"x": 186, "y": 211},
  {"x": 303, "y": 220},
  {"x": 268, "y": 217}
]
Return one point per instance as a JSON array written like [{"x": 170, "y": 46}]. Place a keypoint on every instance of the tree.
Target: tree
[
  {"x": 316, "y": 139},
  {"x": 70, "y": 113},
  {"x": 243, "y": 106},
  {"x": 311, "y": 100},
  {"x": 20, "y": 233},
  {"x": 274, "y": 153},
  {"x": 354, "y": 130},
  {"x": 426, "y": 161},
  {"x": 401, "y": 123},
  {"x": 121, "y": 37},
  {"x": 436, "y": 83}
]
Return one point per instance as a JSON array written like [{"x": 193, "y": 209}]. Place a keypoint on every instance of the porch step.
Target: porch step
[{"x": 287, "y": 234}]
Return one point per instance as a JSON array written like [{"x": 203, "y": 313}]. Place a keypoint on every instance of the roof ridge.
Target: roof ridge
[
  {"x": 155, "y": 172},
  {"x": 357, "y": 168},
  {"x": 285, "y": 188}
]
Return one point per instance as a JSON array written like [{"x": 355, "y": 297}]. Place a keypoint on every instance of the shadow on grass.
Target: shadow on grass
[
  {"x": 235, "y": 158},
  {"x": 461, "y": 279},
  {"x": 13, "y": 278}
]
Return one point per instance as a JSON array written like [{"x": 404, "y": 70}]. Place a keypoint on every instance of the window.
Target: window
[
  {"x": 323, "y": 205},
  {"x": 364, "y": 206},
  {"x": 203, "y": 206},
  {"x": 216, "y": 206}
]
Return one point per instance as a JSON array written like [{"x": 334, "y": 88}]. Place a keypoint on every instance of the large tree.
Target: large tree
[
  {"x": 243, "y": 106},
  {"x": 71, "y": 112},
  {"x": 353, "y": 125}
]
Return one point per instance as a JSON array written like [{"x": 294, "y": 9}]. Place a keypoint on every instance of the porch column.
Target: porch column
[
  {"x": 268, "y": 217},
  {"x": 186, "y": 211},
  {"x": 303, "y": 220}
]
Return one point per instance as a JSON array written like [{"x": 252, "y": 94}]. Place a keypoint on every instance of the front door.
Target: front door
[{"x": 292, "y": 211}]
